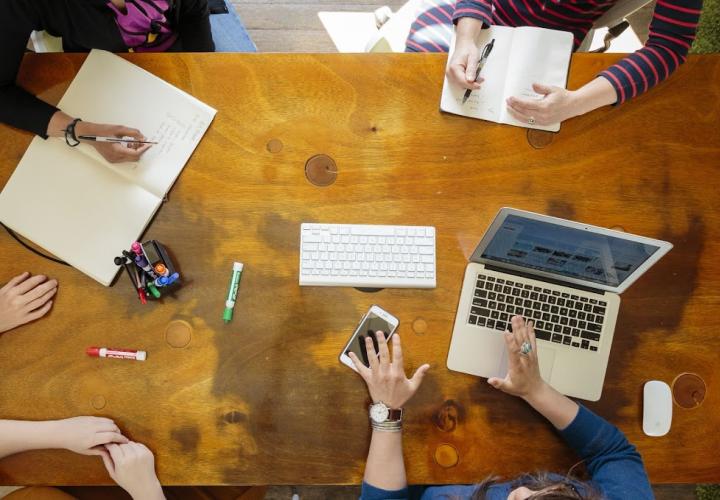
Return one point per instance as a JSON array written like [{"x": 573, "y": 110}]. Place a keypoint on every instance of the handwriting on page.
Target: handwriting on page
[{"x": 174, "y": 131}]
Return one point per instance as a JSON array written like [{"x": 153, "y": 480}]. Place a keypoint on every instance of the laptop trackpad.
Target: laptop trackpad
[{"x": 546, "y": 358}]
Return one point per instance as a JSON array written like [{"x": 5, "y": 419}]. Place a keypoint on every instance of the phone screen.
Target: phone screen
[{"x": 371, "y": 324}]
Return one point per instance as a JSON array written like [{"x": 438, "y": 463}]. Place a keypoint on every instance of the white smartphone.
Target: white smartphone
[{"x": 376, "y": 319}]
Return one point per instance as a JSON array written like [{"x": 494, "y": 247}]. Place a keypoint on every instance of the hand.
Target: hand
[
  {"x": 87, "y": 435},
  {"x": 523, "y": 376},
  {"x": 112, "y": 151},
  {"x": 132, "y": 467},
  {"x": 24, "y": 299},
  {"x": 463, "y": 64},
  {"x": 556, "y": 105},
  {"x": 386, "y": 378}
]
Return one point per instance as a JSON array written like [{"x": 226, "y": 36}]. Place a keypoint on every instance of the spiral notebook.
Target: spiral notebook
[
  {"x": 76, "y": 205},
  {"x": 520, "y": 57}
]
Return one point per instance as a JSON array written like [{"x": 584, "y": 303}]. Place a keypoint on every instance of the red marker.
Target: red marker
[{"x": 105, "y": 352}]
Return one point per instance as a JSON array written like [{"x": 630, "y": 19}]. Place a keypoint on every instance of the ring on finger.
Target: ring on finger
[
  {"x": 525, "y": 348},
  {"x": 531, "y": 120}
]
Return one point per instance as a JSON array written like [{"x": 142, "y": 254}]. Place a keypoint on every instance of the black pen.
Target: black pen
[
  {"x": 483, "y": 58},
  {"x": 123, "y": 140}
]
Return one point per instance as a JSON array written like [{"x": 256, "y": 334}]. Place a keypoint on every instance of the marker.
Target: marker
[
  {"x": 143, "y": 264},
  {"x": 105, "y": 352},
  {"x": 232, "y": 291},
  {"x": 153, "y": 290},
  {"x": 166, "y": 280},
  {"x": 139, "y": 286},
  {"x": 161, "y": 269},
  {"x": 137, "y": 248}
]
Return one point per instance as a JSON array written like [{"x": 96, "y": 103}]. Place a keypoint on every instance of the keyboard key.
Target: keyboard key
[
  {"x": 599, "y": 310},
  {"x": 590, "y": 318},
  {"x": 480, "y": 311},
  {"x": 576, "y": 344},
  {"x": 481, "y": 277},
  {"x": 539, "y": 325},
  {"x": 492, "y": 295},
  {"x": 593, "y": 301},
  {"x": 501, "y": 307},
  {"x": 563, "y": 320},
  {"x": 573, "y": 322},
  {"x": 584, "y": 299},
  {"x": 473, "y": 319},
  {"x": 491, "y": 324},
  {"x": 557, "y": 338},
  {"x": 582, "y": 315},
  {"x": 494, "y": 314},
  {"x": 500, "y": 280},
  {"x": 561, "y": 302},
  {"x": 557, "y": 328},
  {"x": 536, "y": 315},
  {"x": 481, "y": 321},
  {"x": 542, "y": 334},
  {"x": 554, "y": 309},
  {"x": 575, "y": 332},
  {"x": 585, "y": 344},
  {"x": 590, "y": 336},
  {"x": 510, "y": 309},
  {"x": 490, "y": 278},
  {"x": 556, "y": 293},
  {"x": 552, "y": 299},
  {"x": 554, "y": 318},
  {"x": 506, "y": 290},
  {"x": 566, "y": 340},
  {"x": 594, "y": 327},
  {"x": 566, "y": 330},
  {"x": 593, "y": 348}
]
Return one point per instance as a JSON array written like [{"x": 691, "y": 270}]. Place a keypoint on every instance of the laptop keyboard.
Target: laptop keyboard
[{"x": 562, "y": 318}]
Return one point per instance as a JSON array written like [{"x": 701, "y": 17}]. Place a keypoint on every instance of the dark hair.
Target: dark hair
[{"x": 565, "y": 488}]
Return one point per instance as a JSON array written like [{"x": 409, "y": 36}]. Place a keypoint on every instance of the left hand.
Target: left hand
[
  {"x": 386, "y": 379},
  {"x": 556, "y": 105},
  {"x": 88, "y": 435}
]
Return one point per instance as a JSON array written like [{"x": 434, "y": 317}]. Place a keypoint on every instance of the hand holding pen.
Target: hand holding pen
[{"x": 483, "y": 59}]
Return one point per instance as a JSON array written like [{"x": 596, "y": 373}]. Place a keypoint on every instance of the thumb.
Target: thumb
[
  {"x": 542, "y": 89},
  {"x": 419, "y": 374},
  {"x": 497, "y": 383},
  {"x": 109, "y": 465}
]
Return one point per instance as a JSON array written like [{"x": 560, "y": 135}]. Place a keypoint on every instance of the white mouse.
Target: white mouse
[{"x": 657, "y": 408}]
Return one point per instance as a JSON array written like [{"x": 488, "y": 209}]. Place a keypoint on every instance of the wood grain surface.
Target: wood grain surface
[{"x": 264, "y": 399}]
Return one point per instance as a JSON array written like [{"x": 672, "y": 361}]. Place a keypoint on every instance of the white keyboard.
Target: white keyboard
[{"x": 367, "y": 256}]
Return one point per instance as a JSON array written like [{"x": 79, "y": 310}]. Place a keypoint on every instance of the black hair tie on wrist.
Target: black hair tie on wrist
[{"x": 70, "y": 137}]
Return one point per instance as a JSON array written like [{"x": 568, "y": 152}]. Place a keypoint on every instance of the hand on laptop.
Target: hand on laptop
[
  {"x": 386, "y": 379},
  {"x": 523, "y": 377},
  {"x": 24, "y": 299}
]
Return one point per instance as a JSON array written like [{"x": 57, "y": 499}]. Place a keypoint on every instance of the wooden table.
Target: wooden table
[{"x": 264, "y": 399}]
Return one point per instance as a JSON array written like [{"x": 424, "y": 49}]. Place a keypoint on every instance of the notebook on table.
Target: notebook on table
[
  {"x": 519, "y": 57},
  {"x": 74, "y": 203}
]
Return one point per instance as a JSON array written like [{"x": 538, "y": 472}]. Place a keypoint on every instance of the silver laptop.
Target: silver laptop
[{"x": 564, "y": 275}]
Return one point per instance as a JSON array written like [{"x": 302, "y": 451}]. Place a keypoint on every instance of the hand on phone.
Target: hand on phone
[{"x": 385, "y": 378}]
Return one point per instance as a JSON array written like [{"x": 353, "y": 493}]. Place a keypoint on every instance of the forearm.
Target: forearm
[
  {"x": 593, "y": 95},
  {"x": 19, "y": 435},
  {"x": 557, "y": 408},
  {"x": 385, "y": 467}
]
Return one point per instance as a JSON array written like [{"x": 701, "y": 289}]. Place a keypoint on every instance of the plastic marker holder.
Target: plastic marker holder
[{"x": 232, "y": 291}]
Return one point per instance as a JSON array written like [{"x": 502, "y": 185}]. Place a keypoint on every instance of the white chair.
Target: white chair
[{"x": 391, "y": 35}]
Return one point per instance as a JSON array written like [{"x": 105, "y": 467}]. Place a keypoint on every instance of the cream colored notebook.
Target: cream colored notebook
[
  {"x": 81, "y": 208},
  {"x": 520, "y": 57}
]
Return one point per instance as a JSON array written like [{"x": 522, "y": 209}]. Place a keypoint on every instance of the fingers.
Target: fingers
[
  {"x": 462, "y": 69},
  {"x": 29, "y": 284},
  {"x": 39, "y": 313},
  {"x": 397, "y": 353},
  {"x": 512, "y": 349},
  {"x": 40, "y": 290},
  {"x": 372, "y": 355},
  {"x": 120, "y": 153},
  {"x": 109, "y": 437},
  {"x": 542, "y": 89},
  {"x": 523, "y": 105},
  {"x": 363, "y": 370},
  {"x": 470, "y": 69},
  {"x": 109, "y": 464},
  {"x": 518, "y": 113},
  {"x": 15, "y": 281},
  {"x": 498, "y": 383},
  {"x": 122, "y": 131},
  {"x": 383, "y": 348},
  {"x": 531, "y": 336},
  {"x": 116, "y": 452}
]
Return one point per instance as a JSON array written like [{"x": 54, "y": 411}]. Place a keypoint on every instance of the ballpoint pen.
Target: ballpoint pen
[
  {"x": 122, "y": 140},
  {"x": 483, "y": 58}
]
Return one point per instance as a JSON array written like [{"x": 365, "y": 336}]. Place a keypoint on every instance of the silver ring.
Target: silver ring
[
  {"x": 531, "y": 121},
  {"x": 525, "y": 348}
]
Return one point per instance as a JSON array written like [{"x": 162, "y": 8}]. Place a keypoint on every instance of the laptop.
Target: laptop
[{"x": 565, "y": 276}]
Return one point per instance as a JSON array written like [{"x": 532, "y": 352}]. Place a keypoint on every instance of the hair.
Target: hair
[{"x": 566, "y": 488}]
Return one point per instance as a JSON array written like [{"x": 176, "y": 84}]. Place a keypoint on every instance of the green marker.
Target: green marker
[
  {"x": 153, "y": 290},
  {"x": 232, "y": 291}
]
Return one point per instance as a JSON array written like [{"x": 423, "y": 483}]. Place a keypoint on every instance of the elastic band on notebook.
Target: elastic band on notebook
[{"x": 17, "y": 238}]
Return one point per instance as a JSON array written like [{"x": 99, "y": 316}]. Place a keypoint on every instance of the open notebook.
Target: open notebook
[
  {"x": 520, "y": 57},
  {"x": 81, "y": 208}
]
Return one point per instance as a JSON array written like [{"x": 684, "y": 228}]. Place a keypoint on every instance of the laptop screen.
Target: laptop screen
[{"x": 567, "y": 251}]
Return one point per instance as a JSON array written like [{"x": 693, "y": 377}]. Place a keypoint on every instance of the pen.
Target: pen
[
  {"x": 123, "y": 140},
  {"x": 483, "y": 58},
  {"x": 232, "y": 291}
]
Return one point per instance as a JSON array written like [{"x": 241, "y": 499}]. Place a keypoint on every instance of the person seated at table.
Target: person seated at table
[
  {"x": 112, "y": 25},
  {"x": 25, "y": 298},
  {"x": 131, "y": 465},
  {"x": 672, "y": 31},
  {"x": 615, "y": 466}
]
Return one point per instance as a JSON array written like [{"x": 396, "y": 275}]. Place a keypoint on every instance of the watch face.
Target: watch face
[{"x": 379, "y": 412}]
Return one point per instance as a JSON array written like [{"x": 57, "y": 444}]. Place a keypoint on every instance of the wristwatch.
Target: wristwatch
[{"x": 382, "y": 417}]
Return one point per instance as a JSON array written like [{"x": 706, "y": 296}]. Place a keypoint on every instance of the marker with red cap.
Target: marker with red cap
[{"x": 105, "y": 352}]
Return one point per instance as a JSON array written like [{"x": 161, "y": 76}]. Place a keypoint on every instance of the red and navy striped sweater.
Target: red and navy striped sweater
[{"x": 672, "y": 31}]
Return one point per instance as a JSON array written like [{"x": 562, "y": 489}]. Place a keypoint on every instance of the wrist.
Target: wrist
[
  {"x": 52, "y": 435},
  {"x": 151, "y": 492},
  {"x": 467, "y": 29},
  {"x": 538, "y": 394}
]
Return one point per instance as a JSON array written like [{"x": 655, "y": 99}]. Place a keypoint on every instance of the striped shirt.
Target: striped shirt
[{"x": 672, "y": 31}]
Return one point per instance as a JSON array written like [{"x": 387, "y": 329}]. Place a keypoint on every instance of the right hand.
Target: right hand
[
  {"x": 132, "y": 467},
  {"x": 386, "y": 379},
  {"x": 24, "y": 299},
  {"x": 88, "y": 435},
  {"x": 112, "y": 151},
  {"x": 523, "y": 377},
  {"x": 463, "y": 64}
]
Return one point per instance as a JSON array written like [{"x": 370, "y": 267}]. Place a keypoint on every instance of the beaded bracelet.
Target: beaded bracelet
[{"x": 70, "y": 137}]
